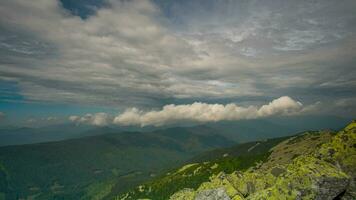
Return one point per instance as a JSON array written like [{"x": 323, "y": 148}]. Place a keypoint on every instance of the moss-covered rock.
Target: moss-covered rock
[
  {"x": 219, "y": 180},
  {"x": 306, "y": 178},
  {"x": 185, "y": 194},
  {"x": 316, "y": 166},
  {"x": 341, "y": 151},
  {"x": 212, "y": 194}
]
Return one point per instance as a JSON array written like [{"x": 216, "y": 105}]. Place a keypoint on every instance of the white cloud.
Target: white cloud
[
  {"x": 51, "y": 119},
  {"x": 74, "y": 118},
  {"x": 283, "y": 105},
  {"x": 202, "y": 112},
  {"x": 98, "y": 119}
]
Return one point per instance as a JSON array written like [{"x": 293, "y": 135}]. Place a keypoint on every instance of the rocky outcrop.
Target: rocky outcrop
[
  {"x": 212, "y": 194},
  {"x": 310, "y": 167}
]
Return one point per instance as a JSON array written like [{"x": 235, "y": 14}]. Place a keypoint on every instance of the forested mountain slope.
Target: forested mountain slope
[
  {"x": 311, "y": 165},
  {"x": 87, "y": 167}
]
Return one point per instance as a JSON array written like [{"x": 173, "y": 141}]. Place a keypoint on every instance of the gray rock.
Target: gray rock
[
  {"x": 329, "y": 188},
  {"x": 213, "y": 194}
]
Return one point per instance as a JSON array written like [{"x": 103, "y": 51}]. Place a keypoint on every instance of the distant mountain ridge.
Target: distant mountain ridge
[
  {"x": 311, "y": 165},
  {"x": 238, "y": 131},
  {"x": 104, "y": 162},
  {"x": 81, "y": 167}
]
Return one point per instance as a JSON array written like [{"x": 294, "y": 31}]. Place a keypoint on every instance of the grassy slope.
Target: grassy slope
[
  {"x": 313, "y": 165},
  {"x": 238, "y": 157},
  {"x": 78, "y": 168}
]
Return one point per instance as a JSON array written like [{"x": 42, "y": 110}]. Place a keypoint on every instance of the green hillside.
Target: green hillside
[
  {"x": 181, "y": 163},
  {"x": 86, "y": 168},
  {"x": 200, "y": 168},
  {"x": 311, "y": 165}
]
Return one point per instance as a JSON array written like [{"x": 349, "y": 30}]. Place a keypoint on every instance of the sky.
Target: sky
[{"x": 158, "y": 62}]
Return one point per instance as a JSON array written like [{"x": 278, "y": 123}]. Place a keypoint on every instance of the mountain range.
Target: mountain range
[
  {"x": 310, "y": 165},
  {"x": 238, "y": 131},
  {"x": 155, "y": 163},
  {"x": 73, "y": 168}
]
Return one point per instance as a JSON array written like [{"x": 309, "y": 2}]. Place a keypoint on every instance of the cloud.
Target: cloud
[
  {"x": 123, "y": 51},
  {"x": 283, "y": 105},
  {"x": 202, "y": 112},
  {"x": 98, "y": 119},
  {"x": 51, "y": 119},
  {"x": 134, "y": 54}
]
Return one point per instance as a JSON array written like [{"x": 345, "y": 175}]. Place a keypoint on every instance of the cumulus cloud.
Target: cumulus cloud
[
  {"x": 282, "y": 105},
  {"x": 98, "y": 119},
  {"x": 51, "y": 119},
  {"x": 203, "y": 112}
]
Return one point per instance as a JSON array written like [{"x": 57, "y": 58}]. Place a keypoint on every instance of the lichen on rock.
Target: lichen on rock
[
  {"x": 317, "y": 166},
  {"x": 212, "y": 194},
  {"x": 185, "y": 194}
]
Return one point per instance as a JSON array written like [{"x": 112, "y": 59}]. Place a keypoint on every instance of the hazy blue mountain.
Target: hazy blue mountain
[
  {"x": 110, "y": 158},
  {"x": 238, "y": 131},
  {"x": 25, "y": 135},
  {"x": 72, "y": 168},
  {"x": 309, "y": 165},
  {"x": 258, "y": 129}
]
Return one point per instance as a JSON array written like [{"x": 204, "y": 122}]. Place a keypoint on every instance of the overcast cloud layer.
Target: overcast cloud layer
[{"x": 146, "y": 54}]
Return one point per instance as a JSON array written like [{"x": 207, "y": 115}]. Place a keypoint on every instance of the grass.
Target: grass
[{"x": 191, "y": 177}]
